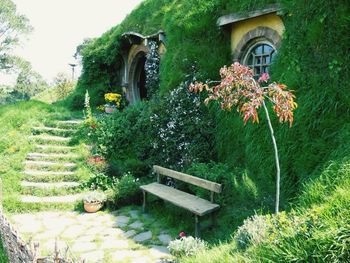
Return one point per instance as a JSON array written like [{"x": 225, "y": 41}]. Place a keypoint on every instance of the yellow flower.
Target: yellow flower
[{"x": 112, "y": 97}]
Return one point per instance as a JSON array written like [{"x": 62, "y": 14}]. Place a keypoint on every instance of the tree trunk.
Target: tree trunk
[{"x": 278, "y": 175}]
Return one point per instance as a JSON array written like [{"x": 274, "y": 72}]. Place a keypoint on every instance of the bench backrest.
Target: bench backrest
[{"x": 211, "y": 186}]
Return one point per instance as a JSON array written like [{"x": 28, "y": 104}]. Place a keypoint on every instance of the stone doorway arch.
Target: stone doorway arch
[{"x": 137, "y": 77}]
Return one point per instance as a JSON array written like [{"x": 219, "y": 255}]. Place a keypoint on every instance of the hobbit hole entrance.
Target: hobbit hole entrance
[{"x": 140, "y": 78}]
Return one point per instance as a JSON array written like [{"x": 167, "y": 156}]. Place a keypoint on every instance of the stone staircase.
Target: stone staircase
[{"x": 50, "y": 170}]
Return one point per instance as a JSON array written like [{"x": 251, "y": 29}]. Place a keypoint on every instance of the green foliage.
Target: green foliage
[
  {"x": 186, "y": 246},
  {"x": 126, "y": 189},
  {"x": 183, "y": 129},
  {"x": 94, "y": 197},
  {"x": 63, "y": 86},
  {"x": 312, "y": 60},
  {"x": 3, "y": 254},
  {"x": 12, "y": 26}
]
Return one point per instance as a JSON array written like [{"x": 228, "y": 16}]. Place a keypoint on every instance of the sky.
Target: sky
[{"x": 61, "y": 25}]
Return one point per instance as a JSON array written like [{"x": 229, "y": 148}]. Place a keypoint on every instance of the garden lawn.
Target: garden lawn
[{"x": 16, "y": 123}]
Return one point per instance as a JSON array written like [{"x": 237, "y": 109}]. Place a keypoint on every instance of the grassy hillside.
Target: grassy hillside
[
  {"x": 16, "y": 123},
  {"x": 313, "y": 61}
]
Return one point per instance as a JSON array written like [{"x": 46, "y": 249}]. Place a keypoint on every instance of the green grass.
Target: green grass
[
  {"x": 16, "y": 122},
  {"x": 3, "y": 255}
]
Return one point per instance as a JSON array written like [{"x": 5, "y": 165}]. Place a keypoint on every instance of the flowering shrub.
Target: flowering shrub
[
  {"x": 94, "y": 197},
  {"x": 182, "y": 129},
  {"x": 113, "y": 99},
  {"x": 253, "y": 231},
  {"x": 186, "y": 246}
]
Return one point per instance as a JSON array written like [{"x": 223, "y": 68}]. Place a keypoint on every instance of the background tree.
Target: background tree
[
  {"x": 12, "y": 26},
  {"x": 239, "y": 89},
  {"x": 63, "y": 85},
  {"x": 29, "y": 82}
]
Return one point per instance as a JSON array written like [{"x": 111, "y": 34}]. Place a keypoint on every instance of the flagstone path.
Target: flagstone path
[
  {"x": 99, "y": 237},
  {"x": 119, "y": 236}
]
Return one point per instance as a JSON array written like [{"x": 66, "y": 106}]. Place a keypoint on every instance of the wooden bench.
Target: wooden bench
[{"x": 198, "y": 206}]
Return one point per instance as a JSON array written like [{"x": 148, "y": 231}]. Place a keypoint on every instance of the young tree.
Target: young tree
[
  {"x": 239, "y": 89},
  {"x": 63, "y": 85},
  {"x": 12, "y": 25}
]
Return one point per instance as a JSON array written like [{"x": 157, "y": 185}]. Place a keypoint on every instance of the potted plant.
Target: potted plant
[
  {"x": 112, "y": 102},
  {"x": 93, "y": 201}
]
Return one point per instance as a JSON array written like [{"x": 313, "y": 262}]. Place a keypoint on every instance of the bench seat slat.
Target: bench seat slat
[
  {"x": 211, "y": 186},
  {"x": 190, "y": 202}
]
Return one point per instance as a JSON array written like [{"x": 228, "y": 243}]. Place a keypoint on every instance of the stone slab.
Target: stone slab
[{"x": 144, "y": 236}]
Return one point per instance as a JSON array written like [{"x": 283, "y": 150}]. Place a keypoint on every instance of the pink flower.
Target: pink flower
[
  {"x": 182, "y": 234},
  {"x": 264, "y": 77}
]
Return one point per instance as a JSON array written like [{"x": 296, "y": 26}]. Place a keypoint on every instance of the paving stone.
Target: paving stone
[
  {"x": 121, "y": 255},
  {"x": 160, "y": 252},
  {"x": 143, "y": 259},
  {"x": 57, "y": 222},
  {"x": 122, "y": 221},
  {"x": 112, "y": 232},
  {"x": 29, "y": 225},
  {"x": 147, "y": 216},
  {"x": 54, "y": 233},
  {"x": 136, "y": 225},
  {"x": 95, "y": 230},
  {"x": 129, "y": 233},
  {"x": 73, "y": 231},
  {"x": 165, "y": 239},
  {"x": 143, "y": 236},
  {"x": 83, "y": 246},
  {"x": 87, "y": 238},
  {"x": 134, "y": 214},
  {"x": 47, "y": 215},
  {"x": 114, "y": 244},
  {"x": 93, "y": 256}
]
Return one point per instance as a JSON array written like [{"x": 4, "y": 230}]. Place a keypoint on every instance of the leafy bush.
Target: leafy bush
[
  {"x": 237, "y": 186},
  {"x": 186, "y": 246},
  {"x": 183, "y": 129},
  {"x": 100, "y": 181},
  {"x": 126, "y": 189},
  {"x": 253, "y": 231}
]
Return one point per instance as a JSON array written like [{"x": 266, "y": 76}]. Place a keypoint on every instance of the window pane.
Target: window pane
[
  {"x": 250, "y": 60},
  {"x": 259, "y": 50},
  {"x": 259, "y": 58}
]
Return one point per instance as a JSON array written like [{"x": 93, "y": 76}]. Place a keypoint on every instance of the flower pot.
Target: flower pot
[
  {"x": 92, "y": 207},
  {"x": 109, "y": 109}
]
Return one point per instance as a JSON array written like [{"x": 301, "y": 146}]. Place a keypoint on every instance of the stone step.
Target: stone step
[
  {"x": 55, "y": 148},
  {"x": 50, "y": 185},
  {"x": 52, "y": 129},
  {"x": 50, "y": 138},
  {"x": 50, "y": 156},
  {"x": 70, "y": 122},
  {"x": 51, "y": 199},
  {"x": 46, "y": 173},
  {"x": 49, "y": 163}
]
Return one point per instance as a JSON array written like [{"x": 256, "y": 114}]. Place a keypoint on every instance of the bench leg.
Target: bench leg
[
  {"x": 144, "y": 201},
  {"x": 197, "y": 227}
]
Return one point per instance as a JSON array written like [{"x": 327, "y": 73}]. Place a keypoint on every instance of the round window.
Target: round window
[{"x": 258, "y": 57}]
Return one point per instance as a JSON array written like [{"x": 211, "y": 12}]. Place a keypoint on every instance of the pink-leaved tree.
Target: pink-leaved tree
[{"x": 239, "y": 89}]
